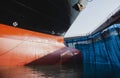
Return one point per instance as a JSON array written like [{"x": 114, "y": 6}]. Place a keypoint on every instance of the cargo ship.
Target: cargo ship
[{"x": 32, "y": 32}]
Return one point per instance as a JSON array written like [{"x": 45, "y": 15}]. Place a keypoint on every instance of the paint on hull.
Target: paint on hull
[{"x": 24, "y": 47}]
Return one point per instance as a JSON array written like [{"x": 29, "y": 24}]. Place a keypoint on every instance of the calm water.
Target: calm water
[{"x": 85, "y": 71}]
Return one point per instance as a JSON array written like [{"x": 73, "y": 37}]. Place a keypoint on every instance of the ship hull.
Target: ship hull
[{"x": 19, "y": 47}]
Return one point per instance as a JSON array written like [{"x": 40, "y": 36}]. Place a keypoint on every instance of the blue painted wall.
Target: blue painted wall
[{"x": 100, "y": 48}]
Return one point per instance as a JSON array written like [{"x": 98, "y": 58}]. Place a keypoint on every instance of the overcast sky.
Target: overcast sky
[{"x": 95, "y": 13}]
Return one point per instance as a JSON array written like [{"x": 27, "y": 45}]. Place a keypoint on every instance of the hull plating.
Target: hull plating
[{"x": 23, "y": 47}]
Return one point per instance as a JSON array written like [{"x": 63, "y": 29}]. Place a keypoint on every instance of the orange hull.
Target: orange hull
[{"x": 23, "y": 47}]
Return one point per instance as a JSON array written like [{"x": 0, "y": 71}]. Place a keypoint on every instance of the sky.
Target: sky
[{"x": 95, "y": 13}]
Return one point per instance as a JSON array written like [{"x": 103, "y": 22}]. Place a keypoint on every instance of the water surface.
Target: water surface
[{"x": 73, "y": 71}]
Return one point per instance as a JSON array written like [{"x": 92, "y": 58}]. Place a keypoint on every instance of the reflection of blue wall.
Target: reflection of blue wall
[
  {"x": 100, "y": 71},
  {"x": 100, "y": 48}
]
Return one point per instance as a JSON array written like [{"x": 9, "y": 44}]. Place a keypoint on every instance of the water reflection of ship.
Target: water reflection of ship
[{"x": 40, "y": 72}]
